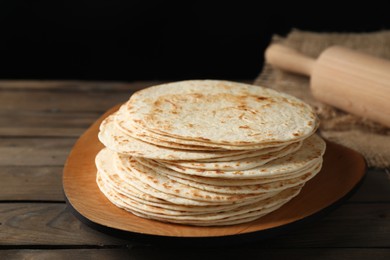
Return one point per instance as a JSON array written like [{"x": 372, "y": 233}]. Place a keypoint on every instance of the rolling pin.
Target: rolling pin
[{"x": 349, "y": 80}]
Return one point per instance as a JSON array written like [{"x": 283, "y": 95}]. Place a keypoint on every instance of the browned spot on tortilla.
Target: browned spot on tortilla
[
  {"x": 168, "y": 187},
  {"x": 172, "y": 103},
  {"x": 246, "y": 108},
  {"x": 261, "y": 98},
  {"x": 166, "y": 127},
  {"x": 197, "y": 95},
  {"x": 244, "y": 127},
  {"x": 196, "y": 194}
]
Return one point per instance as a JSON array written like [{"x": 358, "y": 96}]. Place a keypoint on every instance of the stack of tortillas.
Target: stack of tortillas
[{"x": 207, "y": 152}]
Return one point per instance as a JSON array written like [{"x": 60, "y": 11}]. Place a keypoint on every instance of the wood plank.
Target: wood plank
[
  {"x": 40, "y": 132},
  {"x": 352, "y": 225},
  {"x": 31, "y": 183},
  {"x": 46, "y": 224},
  {"x": 58, "y": 254},
  {"x": 41, "y": 124},
  {"x": 375, "y": 188},
  {"x": 55, "y": 102},
  {"x": 35, "y": 151},
  {"x": 245, "y": 252},
  {"x": 47, "y": 119},
  {"x": 74, "y": 85},
  {"x": 257, "y": 252}
]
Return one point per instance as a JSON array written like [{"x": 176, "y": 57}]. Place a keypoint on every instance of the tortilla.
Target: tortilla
[{"x": 221, "y": 112}]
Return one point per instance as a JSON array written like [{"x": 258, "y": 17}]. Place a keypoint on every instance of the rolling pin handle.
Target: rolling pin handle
[{"x": 289, "y": 59}]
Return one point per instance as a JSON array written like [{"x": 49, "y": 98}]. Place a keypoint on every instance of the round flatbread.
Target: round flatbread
[{"x": 221, "y": 112}]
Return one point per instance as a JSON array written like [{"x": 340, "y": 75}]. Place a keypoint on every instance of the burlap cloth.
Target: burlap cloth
[{"x": 369, "y": 138}]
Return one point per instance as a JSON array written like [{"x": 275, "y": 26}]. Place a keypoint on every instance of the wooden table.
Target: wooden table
[{"x": 39, "y": 123}]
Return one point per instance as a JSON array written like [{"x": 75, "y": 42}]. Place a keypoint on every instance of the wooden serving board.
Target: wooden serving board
[{"x": 343, "y": 169}]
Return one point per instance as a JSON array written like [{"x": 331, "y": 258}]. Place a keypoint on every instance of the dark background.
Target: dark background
[{"x": 159, "y": 40}]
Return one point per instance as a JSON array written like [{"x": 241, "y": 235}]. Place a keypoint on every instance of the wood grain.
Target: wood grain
[
  {"x": 149, "y": 252},
  {"x": 26, "y": 183},
  {"x": 32, "y": 119},
  {"x": 41, "y": 124},
  {"x": 254, "y": 252},
  {"x": 59, "y": 254},
  {"x": 46, "y": 224},
  {"x": 375, "y": 188},
  {"x": 56, "y": 102},
  {"x": 74, "y": 85},
  {"x": 351, "y": 225},
  {"x": 40, "y": 132},
  {"x": 53, "y": 224},
  {"x": 342, "y": 170},
  {"x": 34, "y": 151}
]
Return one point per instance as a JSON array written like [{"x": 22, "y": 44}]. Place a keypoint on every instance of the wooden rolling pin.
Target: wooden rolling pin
[{"x": 355, "y": 82}]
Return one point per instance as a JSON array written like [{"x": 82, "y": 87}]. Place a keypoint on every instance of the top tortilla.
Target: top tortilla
[{"x": 221, "y": 112}]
